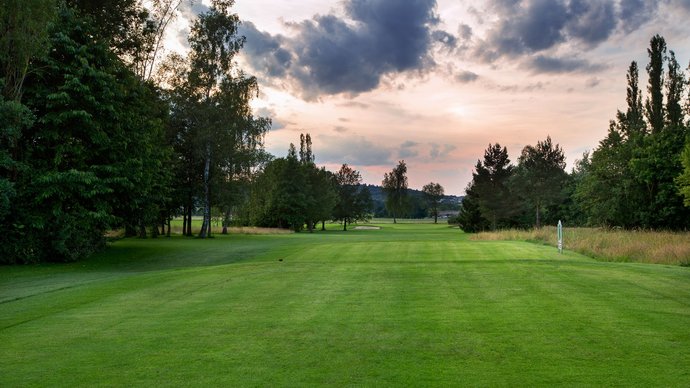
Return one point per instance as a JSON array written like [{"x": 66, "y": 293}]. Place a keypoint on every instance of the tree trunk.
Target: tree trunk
[
  {"x": 435, "y": 218},
  {"x": 184, "y": 220},
  {"x": 323, "y": 225},
  {"x": 345, "y": 225},
  {"x": 142, "y": 228},
  {"x": 206, "y": 225},
  {"x": 169, "y": 221},
  {"x": 190, "y": 209},
  {"x": 538, "y": 224},
  {"x": 226, "y": 221}
]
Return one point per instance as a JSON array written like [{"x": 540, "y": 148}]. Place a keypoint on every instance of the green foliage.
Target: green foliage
[
  {"x": 654, "y": 105},
  {"x": 631, "y": 180},
  {"x": 216, "y": 138},
  {"x": 395, "y": 186},
  {"x": 24, "y": 28},
  {"x": 433, "y": 193},
  {"x": 470, "y": 218},
  {"x": 290, "y": 193},
  {"x": 683, "y": 180},
  {"x": 91, "y": 158},
  {"x": 491, "y": 184},
  {"x": 279, "y": 195},
  {"x": 354, "y": 200},
  {"x": 540, "y": 179}
]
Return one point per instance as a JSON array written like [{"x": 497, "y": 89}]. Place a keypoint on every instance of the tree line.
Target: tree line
[
  {"x": 99, "y": 131},
  {"x": 637, "y": 177}
]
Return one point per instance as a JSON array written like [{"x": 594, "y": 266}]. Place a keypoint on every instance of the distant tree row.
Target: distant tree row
[
  {"x": 401, "y": 203},
  {"x": 635, "y": 178}
]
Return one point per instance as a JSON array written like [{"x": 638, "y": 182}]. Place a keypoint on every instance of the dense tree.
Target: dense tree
[
  {"x": 24, "y": 28},
  {"x": 433, "y": 193},
  {"x": 683, "y": 180},
  {"x": 279, "y": 196},
  {"x": 654, "y": 105},
  {"x": 292, "y": 192},
  {"x": 354, "y": 200},
  {"x": 89, "y": 148},
  {"x": 216, "y": 131},
  {"x": 124, "y": 25},
  {"x": 540, "y": 177},
  {"x": 491, "y": 185},
  {"x": 395, "y": 186},
  {"x": 631, "y": 179},
  {"x": 470, "y": 217}
]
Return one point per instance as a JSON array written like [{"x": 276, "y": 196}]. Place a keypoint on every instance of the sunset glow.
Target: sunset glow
[{"x": 434, "y": 82}]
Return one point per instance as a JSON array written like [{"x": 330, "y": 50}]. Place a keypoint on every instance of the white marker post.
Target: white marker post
[{"x": 560, "y": 237}]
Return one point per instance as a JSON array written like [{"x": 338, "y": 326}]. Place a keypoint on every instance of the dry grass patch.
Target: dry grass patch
[
  {"x": 257, "y": 230},
  {"x": 609, "y": 245}
]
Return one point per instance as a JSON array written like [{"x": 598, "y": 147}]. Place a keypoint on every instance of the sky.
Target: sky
[{"x": 434, "y": 82}]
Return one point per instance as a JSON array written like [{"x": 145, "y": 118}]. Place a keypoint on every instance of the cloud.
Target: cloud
[
  {"x": 340, "y": 129},
  {"x": 545, "y": 64},
  {"x": 265, "y": 52},
  {"x": 330, "y": 54},
  {"x": 447, "y": 40},
  {"x": 521, "y": 88},
  {"x": 593, "y": 82},
  {"x": 466, "y": 77},
  {"x": 354, "y": 104},
  {"x": 634, "y": 13},
  {"x": 532, "y": 27},
  {"x": 354, "y": 150},
  {"x": 536, "y": 26},
  {"x": 407, "y": 150},
  {"x": 684, "y": 4},
  {"x": 465, "y": 32},
  {"x": 592, "y": 21},
  {"x": 440, "y": 152},
  {"x": 270, "y": 113}
]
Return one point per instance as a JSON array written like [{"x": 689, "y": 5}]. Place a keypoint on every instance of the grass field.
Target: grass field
[{"x": 406, "y": 305}]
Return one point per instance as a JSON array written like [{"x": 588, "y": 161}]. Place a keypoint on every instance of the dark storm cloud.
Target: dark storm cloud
[
  {"x": 331, "y": 55},
  {"x": 545, "y": 64},
  {"x": 526, "y": 28},
  {"x": 634, "y": 13},
  {"x": 265, "y": 52},
  {"x": 591, "y": 21}
]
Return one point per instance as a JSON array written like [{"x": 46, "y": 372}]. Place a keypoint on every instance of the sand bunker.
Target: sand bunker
[{"x": 366, "y": 227}]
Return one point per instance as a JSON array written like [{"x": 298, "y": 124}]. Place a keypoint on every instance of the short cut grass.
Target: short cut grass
[{"x": 405, "y": 305}]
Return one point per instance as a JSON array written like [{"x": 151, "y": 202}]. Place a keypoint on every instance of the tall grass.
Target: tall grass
[{"x": 608, "y": 245}]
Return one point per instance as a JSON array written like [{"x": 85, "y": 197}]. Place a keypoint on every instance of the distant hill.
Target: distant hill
[{"x": 449, "y": 203}]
